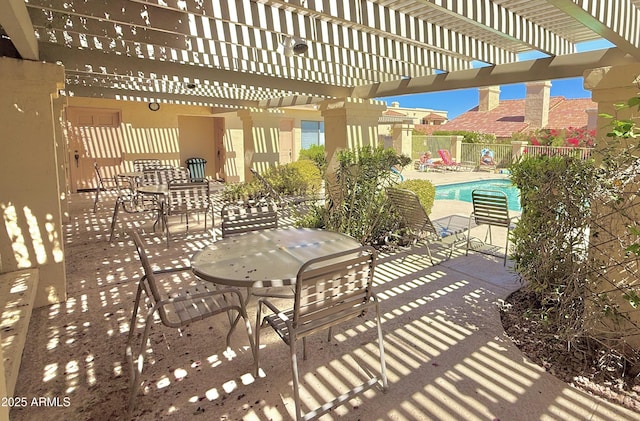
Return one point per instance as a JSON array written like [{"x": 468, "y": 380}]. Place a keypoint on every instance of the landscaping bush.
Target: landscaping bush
[
  {"x": 425, "y": 191},
  {"x": 297, "y": 178},
  {"x": 356, "y": 203},
  {"x": 315, "y": 154},
  {"x": 549, "y": 241}
]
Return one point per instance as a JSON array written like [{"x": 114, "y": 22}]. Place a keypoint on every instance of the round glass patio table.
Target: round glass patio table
[{"x": 269, "y": 258}]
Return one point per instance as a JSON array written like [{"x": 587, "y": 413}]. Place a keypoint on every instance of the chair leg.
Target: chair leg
[
  {"x": 468, "y": 237},
  {"x": 114, "y": 218},
  {"x": 136, "y": 365},
  {"x": 295, "y": 377},
  {"x": 256, "y": 342},
  {"x": 96, "y": 199},
  {"x": 383, "y": 366},
  {"x": 429, "y": 253}
]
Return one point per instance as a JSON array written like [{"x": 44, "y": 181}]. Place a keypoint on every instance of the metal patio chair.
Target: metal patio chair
[
  {"x": 491, "y": 208},
  {"x": 329, "y": 291},
  {"x": 186, "y": 198},
  {"x": 418, "y": 226},
  {"x": 241, "y": 217},
  {"x": 129, "y": 201},
  {"x": 196, "y": 300},
  {"x": 102, "y": 184}
]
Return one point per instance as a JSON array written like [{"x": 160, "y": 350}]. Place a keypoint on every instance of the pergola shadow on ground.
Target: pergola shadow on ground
[{"x": 447, "y": 354}]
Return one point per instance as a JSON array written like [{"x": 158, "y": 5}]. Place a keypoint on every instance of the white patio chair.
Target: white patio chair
[
  {"x": 491, "y": 208},
  {"x": 186, "y": 198},
  {"x": 197, "y": 300},
  {"x": 452, "y": 229},
  {"x": 329, "y": 291},
  {"x": 102, "y": 184},
  {"x": 240, "y": 217}
]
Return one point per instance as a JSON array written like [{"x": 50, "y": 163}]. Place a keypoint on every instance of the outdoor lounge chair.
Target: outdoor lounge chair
[
  {"x": 490, "y": 208},
  {"x": 329, "y": 291},
  {"x": 420, "y": 228},
  {"x": 484, "y": 165},
  {"x": 193, "y": 300},
  {"x": 448, "y": 163}
]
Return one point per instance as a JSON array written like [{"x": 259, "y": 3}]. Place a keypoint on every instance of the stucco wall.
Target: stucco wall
[
  {"x": 172, "y": 134},
  {"x": 30, "y": 194}
]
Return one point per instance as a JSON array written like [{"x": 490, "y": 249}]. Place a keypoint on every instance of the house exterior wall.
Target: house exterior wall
[{"x": 173, "y": 134}]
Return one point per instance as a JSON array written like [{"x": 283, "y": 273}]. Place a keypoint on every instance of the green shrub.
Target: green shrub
[
  {"x": 309, "y": 176},
  {"x": 425, "y": 191},
  {"x": 315, "y": 154},
  {"x": 549, "y": 240},
  {"x": 297, "y": 178},
  {"x": 356, "y": 203},
  {"x": 243, "y": 191}
]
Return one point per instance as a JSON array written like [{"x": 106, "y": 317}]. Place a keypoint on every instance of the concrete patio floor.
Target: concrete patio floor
[{"x": 446, "y": 352}]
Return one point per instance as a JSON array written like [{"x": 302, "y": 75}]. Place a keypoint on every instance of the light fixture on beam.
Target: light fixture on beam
[{"x": 292, "y": 45}]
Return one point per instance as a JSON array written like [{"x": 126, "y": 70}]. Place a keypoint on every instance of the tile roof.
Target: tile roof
[
  {"x": 391, "y": 112},
  {"x": 508, "y": 117}
]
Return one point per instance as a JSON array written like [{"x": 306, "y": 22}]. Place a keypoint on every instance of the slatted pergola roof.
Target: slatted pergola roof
[{"x": 226, "y": 54}]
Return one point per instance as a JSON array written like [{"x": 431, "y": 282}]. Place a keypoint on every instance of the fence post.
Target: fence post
[
  {"x": 456, "y": 148},
  {"x": 518, "y": 149}
]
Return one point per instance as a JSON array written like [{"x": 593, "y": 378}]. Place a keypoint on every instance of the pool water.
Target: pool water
[{"x": 462, "y": 191}]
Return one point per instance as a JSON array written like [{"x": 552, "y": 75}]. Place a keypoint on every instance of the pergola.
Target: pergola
[
  {"x": 243, "y": 61},
  {"x": 275, "y": 53}
]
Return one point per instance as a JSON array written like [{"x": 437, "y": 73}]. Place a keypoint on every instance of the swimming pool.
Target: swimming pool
[{"x": 462, "y": 191}]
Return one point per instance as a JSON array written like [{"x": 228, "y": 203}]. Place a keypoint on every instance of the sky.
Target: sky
[{"x": 462, "y": 100}]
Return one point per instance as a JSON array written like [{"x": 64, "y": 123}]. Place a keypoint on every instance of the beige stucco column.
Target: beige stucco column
[
  {"x": 402, "y": 134},
  {"x": 31, "y": 229},
  {"x": 261, "y": 138},
  {"x": 456, "y": 148},
  {"x": 61, "y": 156},
  {"x": 610, "y": 235},
  {"x": 350, "y": 123}
]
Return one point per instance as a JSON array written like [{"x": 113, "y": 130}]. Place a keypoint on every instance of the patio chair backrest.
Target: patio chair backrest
[
  {"x": 490, "y": 207},
  {"x": 407, "y": 204},
  {"x": 333, "y": 289},
  {"x": 143, "y": 164},
  {"x": 149, "y": 177},
  {"x": 238, "y": 218},
  {"x": 165, "y": 175}
]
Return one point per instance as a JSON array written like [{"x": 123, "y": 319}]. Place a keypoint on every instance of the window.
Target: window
[{"x": 312, "y": 133}]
